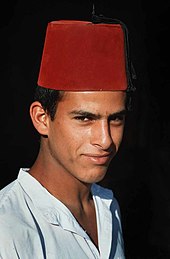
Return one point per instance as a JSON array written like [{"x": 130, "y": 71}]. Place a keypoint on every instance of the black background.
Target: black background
[{"x": 139, "y": 175}]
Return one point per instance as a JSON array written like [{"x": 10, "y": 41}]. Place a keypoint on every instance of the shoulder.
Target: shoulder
[
  {"x": 8, "y": 220},
  {"x": 102, "y": 192},
  {"x": 6, "y": 194},
  {"x": 14, "y": 221},
  {"x": 12, "y": 197},
  {"x": 12, "y": 206},
  {"x": 106, "y": 195}
]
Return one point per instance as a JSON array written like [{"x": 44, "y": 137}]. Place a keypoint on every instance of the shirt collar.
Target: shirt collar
[{"x": 53, "y": 210}]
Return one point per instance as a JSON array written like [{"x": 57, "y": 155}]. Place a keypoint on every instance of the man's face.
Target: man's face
[{"x": 86, "y": 133}]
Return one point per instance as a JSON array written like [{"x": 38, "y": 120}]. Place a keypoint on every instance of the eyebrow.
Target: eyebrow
[{"x": 97, "y": 116}]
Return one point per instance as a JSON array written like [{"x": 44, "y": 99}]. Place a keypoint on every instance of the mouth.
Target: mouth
[{"x": 99, "y": 159}]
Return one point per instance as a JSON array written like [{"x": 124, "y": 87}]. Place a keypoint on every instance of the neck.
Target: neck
[
  {"x": 73, "y": 193},
  {"x": 60, "y": 183}
]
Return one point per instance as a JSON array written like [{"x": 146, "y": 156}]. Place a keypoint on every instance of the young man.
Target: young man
[{"x": 55, "y": 209}]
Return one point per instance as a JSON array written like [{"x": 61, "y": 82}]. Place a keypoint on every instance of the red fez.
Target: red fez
[{"x": 82, "y": 56}]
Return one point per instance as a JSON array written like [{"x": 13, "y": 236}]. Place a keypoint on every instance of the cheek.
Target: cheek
[
  {"x": 69, "y": 137},
  {"x": 77, "y": 140},
  {"x": 117, "y": 135}
]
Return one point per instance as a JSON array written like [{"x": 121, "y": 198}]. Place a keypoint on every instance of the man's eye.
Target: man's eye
[
  {"x": 82, "y": 118},
  {"x": 117, "y": 119}
]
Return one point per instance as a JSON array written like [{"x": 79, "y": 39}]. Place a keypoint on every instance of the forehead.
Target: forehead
[{"x": 90, "y": 100}]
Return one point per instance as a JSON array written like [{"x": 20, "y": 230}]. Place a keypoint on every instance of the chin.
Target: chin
[{"x": 95, "y": 177}]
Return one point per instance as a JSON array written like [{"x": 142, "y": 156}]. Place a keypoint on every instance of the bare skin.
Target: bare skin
[{"x": 77, "y": 147}]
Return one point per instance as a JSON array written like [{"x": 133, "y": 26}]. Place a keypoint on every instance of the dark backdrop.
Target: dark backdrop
[{"x": 139, "y": 175}]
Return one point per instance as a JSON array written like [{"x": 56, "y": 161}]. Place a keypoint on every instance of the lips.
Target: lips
[{"x": 98, "y": 159}]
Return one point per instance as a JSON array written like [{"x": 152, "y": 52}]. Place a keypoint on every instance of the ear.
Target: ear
[{"x": 39, "y": 118}]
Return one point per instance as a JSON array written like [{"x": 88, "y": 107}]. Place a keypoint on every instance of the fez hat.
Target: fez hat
[{"x": 84, "y": 56}]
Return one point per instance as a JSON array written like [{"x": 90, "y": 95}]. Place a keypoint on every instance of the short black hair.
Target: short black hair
[{"x": 49, "y": 99}]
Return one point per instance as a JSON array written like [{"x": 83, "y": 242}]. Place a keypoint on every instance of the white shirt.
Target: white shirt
[{"x": 36, "y": 225}]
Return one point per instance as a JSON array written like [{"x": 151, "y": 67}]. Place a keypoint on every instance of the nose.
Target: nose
[{"x": 101, "y": 135}]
